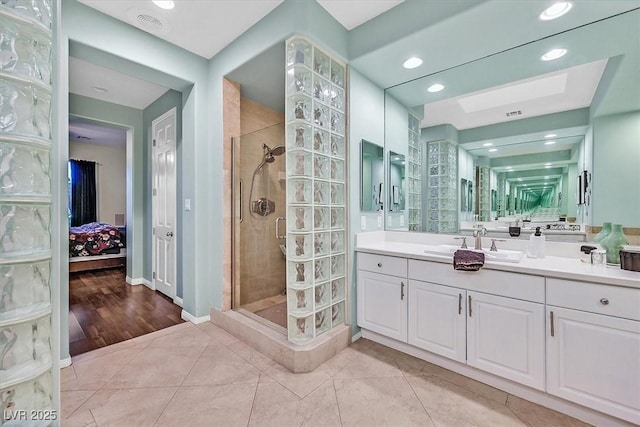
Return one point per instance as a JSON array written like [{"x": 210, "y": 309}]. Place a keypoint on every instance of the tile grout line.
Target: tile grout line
[
  {"x": 335, "y": 393},
  {"x": 419, "y": 400},
  {"x": 165, "y": 407},
  {"x": 253, "y": 401},
  {"x": 82, "y": 404}
]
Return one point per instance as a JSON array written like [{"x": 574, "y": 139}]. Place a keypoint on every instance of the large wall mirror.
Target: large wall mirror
[{"x": 528, "y": 131}]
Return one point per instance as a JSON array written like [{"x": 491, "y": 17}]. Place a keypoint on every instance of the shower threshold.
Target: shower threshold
[{"x": 271, "y": 312}]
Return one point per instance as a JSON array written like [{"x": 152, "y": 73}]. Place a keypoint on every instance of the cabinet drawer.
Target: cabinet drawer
[
  {"x": 513, "y": 285},
  {"x": 383, "y": 264},
  {"x": 595, "y": 298}
]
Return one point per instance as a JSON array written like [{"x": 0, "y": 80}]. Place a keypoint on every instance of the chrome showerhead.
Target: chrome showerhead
[{"x": 277, "y": 150}]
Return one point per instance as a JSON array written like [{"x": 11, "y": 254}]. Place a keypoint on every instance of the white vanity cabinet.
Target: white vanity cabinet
[
  {"x": 593, "y": 358},
  {"x": 505, "y": 336},
  {"x": 382, "y": 295},
  {"x": 482, "y": 319},
  {"x": 437, "y": 319}
]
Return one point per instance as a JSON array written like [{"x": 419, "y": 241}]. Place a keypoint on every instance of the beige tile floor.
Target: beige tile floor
[{"x": 189, "y": 375}]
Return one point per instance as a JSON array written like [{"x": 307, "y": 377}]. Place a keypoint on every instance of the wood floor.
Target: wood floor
[{"x": 104, "y": 310}]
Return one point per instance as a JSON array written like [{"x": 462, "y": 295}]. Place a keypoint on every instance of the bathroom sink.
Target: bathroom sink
[{"x": 502, "y": 255}]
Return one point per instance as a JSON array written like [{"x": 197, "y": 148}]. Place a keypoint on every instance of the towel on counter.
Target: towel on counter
[{"x": 468, "y": 260}]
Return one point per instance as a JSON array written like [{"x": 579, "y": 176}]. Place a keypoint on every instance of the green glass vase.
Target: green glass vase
[
  {"x": 613, "y": 242},
  {"x": 606, "y": 229}
]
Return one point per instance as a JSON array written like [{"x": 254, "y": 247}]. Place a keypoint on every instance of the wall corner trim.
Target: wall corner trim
[
  {"x": 63, "y": 363},
  {"x": 178, "y": 301},
  {"x": 195, "y": 320},
  {"x": 141, "y": 281}
]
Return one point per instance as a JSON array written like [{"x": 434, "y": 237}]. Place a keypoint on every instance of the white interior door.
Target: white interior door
[{"x": 164, "y": 202}]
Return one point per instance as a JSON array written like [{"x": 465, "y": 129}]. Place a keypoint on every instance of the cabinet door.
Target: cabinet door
[
  {"x": 506, "y": 337},
  {"x": 594, "y": 360},
  {"x": 437, "y": 319},
  {"x": 382, "y": 304}
]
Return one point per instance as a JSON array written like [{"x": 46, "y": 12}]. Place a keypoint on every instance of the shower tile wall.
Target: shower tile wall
[{"x": 261, "y": 263}]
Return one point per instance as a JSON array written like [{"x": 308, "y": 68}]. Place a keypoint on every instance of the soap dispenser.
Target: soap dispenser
[{"x": 536, "y": 245}]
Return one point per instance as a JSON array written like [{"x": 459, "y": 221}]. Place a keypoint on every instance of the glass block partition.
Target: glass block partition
[
  {"x": 414, "y": 175},
  {"x": 442, "y": 175},
  {"x": 26, "y": 358},
  {"x": 483, "y": 178},
  {"x": 316, "y": 191}
]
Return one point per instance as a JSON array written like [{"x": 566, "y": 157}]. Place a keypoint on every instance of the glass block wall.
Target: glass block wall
[
  {"x": 316, "y": 192},
  {"x": 483, "y": 180},
  {"x": 502, "y": 185},
  {"x": 414, "y": 175},
  {"x": 26, "y": 358},
  {"x": 442, "y": 183}
]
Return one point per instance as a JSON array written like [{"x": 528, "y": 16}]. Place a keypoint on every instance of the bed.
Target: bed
[{"x": 96, "y": 245}]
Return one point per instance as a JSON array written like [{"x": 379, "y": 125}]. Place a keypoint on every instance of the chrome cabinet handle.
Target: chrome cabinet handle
[
  {"x": 553, "y": 331},
  {"x": 278, "y": 236},
  {"x": 380, "y": 265},
  {"x": 470, "y": 314},
  {"x": 401, "y": 291},
  {"x": 459, "y": 303},
  {"x": 604, "y": 301}
]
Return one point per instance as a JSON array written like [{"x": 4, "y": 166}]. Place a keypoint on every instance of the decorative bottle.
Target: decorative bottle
[
  {"x": 613, "y": 242},
  {"x": 606, "y": 229}
]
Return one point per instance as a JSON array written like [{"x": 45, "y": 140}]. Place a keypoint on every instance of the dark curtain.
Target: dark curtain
[{"x": 83, "y": 192}]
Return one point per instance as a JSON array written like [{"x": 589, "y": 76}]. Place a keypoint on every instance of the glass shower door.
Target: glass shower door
[{"x": 259, "y": 226}]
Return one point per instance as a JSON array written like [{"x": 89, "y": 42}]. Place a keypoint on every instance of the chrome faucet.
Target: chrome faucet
[{"x": 481, "y": 231}]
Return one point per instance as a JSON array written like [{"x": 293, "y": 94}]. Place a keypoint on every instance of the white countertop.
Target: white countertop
[{"x": 550, "y": 266}]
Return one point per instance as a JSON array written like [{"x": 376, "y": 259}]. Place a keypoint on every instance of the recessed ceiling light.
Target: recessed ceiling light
[
  {"x": 549, "y": 143},
  {"x": 411, "y": 63},
  {"x": 166, "y": 4},
  {"x": 553, "y": 54},
  {"x": 493, "y": 150},
  {"x": 435, "y": 88},
  {"x": 556, "y": 10},
  {"x": 487, "y": 144},
  {"x": 99, "y": 89},
  {"x": 551, "y": 135}
]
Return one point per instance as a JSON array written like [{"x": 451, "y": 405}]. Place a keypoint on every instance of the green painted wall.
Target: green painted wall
[
  {"x": 366, "y": 121},
  {"x": 166, "y": 102},
  {"x": 616, "y": 169}
]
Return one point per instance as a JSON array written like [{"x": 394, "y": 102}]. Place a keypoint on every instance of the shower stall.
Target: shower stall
[{"x": 288, "y": 197}]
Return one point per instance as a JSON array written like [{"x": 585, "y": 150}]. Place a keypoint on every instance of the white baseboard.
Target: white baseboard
[
  {"x": 195, "y": 320},
  {"x": 178, "y": 301},
  {"x": 65, "y": 362},
  {"x": 140, "y": 281},
  {"x": 356, "y": 337}
]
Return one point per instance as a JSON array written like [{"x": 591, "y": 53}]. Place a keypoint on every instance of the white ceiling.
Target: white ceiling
[
  {"x": 88, "y": 131},
  {"x": 205, "y": 27},
  {"x": 563, "y": 90},
  {"x": 353, "y": 13},
  {"x": 122, "y": 89}
]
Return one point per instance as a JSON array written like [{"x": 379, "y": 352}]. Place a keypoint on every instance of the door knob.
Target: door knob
[{"x": 169, "y": 233}]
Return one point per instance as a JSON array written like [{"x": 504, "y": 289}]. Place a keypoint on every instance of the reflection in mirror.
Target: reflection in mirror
[
  {"x": 372, "y": 177},
  {"x": 396, "y": 181},
  {"x": 525, "y": 129}
]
